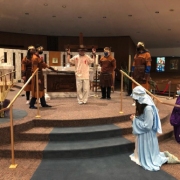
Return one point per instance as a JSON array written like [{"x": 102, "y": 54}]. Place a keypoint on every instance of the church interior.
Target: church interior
[{"x": 94, "y": 140}]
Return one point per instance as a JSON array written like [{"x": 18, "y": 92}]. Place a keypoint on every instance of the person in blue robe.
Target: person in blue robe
[{"x": 146, "y": 124}]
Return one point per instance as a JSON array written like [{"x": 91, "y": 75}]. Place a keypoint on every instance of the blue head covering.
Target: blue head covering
[{"x": 142, "y": 97}]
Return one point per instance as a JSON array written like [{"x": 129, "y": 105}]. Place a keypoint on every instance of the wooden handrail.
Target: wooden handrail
[{"x": 170, "y": 104}]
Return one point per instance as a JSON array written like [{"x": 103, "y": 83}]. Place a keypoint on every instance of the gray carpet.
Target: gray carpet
[
  {"x": 117, "y": 167},
  {"x": 108, "y": 164},
  {"x": 17, "y": 115}
]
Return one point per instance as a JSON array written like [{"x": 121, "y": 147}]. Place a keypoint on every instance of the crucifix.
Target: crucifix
[{"x": 75, "y": 47}]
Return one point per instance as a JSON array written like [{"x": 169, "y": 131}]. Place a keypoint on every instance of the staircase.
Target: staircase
[{"x": 44, "y": 141}]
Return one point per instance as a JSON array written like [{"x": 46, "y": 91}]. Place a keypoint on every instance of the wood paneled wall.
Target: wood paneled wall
[
  {"x": 21, "y": 41},
  {"x": 121, "y": 46}
]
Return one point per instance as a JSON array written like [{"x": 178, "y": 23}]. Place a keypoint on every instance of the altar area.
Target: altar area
[{"x": 63, "y": 83}]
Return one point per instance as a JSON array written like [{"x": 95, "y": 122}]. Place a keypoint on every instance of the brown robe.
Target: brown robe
[
  {"x": 108, "y": 64},
  {"x": 37, "y": 62},
  {"x": 26, "y": 70},
  {"x": 141, "y": 61}
]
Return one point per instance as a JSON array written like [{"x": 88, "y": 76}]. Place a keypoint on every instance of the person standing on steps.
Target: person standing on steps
[
  {"x": 141, "y": 66},
  {"x": 82, "y": 62},
  {"x": 38, "y": 62},
  {"x": 108, "y": 65},
  {"x": 26, "y": 66}
]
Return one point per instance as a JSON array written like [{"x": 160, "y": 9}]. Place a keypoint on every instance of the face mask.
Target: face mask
[
  {"x": 40, "y": 52},
  {"x": 138, "y": 49},
  {"x": 178, "y": 92},
  {"x": 105, "y": 54}
]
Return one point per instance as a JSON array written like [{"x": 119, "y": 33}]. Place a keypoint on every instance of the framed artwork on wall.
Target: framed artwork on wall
[
  {"x": 174, "y": 64},
  {"x": 55, "y": 60}
]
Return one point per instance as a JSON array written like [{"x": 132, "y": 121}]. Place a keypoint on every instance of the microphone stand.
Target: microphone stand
[
  {"x": 96, "y": 95},
  {"x": 96, "y": 66}
]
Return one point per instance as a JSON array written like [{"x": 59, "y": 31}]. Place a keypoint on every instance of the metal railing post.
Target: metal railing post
[
  {"x": 37, "y": 89},
  {"x": 121, "y": 112},
  {"x": 13, "y": 165}
]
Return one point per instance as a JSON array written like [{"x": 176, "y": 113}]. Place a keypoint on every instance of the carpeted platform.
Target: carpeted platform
[{"x": 18, "y": 114}]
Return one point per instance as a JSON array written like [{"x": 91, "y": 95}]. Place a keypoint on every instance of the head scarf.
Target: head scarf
[{"x": 142, "y": 97}]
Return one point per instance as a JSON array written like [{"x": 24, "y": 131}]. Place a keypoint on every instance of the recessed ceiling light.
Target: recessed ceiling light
[
  {"x": 26, "y": 13},
  {"x": 157, "y": 12},
  {"x": 45, "y": 4},
  {"x": 63, "y": 6},
  {"x": 130, "y": 15}
]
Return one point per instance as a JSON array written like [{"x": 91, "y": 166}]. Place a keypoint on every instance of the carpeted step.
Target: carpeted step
[
  {"x": 57, "y": 149},
  {"x": 80, "y": 122},
  {"x": 91, "y": 148},
  {"x": 74, "y": 133}
]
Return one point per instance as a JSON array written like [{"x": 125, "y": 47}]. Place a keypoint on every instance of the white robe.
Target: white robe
[{"x": 147, "y": 152}]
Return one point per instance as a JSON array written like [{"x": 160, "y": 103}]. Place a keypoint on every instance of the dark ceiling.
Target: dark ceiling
[{"x": 155, "y": 22}]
